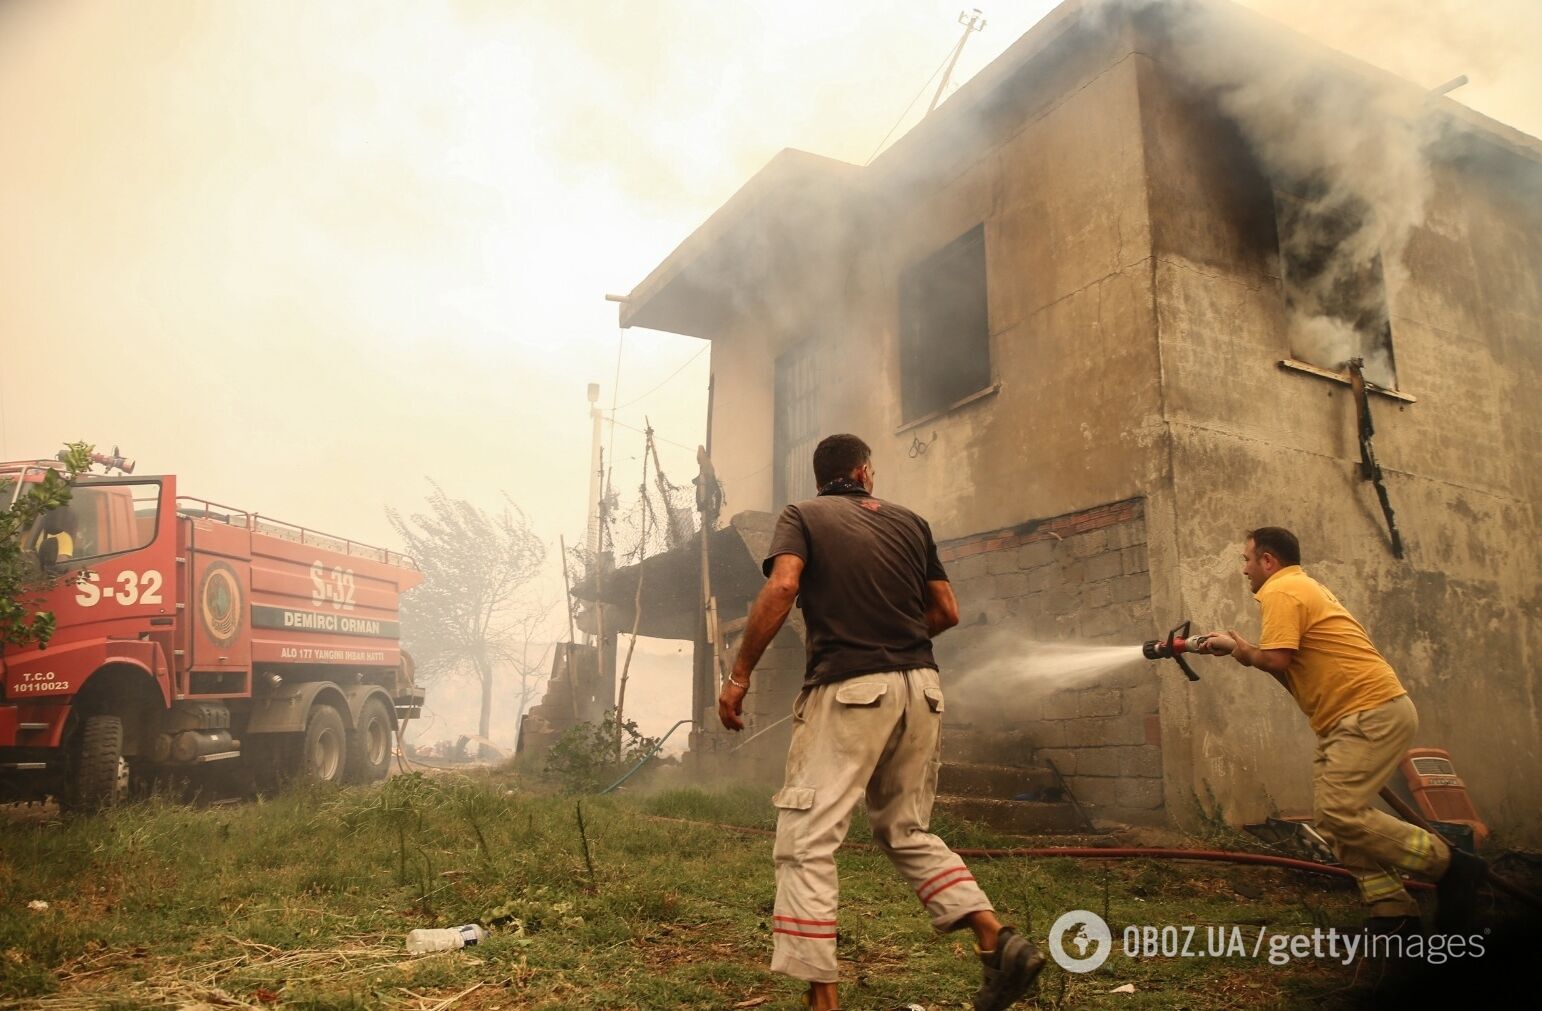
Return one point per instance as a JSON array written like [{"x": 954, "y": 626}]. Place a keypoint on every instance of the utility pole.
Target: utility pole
[
  {"x": 592, "y": 542},
  {"x": 973, "y": 21},
  {"x": 596, "y": 481}
]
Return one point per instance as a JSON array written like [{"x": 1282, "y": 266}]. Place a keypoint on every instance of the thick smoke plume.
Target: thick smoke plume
[{"x": 1344, "y": 146}]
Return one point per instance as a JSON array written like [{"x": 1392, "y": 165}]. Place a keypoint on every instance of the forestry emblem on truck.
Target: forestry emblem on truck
[{"x": 219, "y": 601}]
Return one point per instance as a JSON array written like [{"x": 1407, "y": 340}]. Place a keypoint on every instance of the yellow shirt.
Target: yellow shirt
[{"x": 1336, "y": 671}]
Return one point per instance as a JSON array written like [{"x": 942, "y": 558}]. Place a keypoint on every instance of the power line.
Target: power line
[
  {"x": 912, "y": 104},
  {"x": 656, "y": 436},
  {"x": 700, "y": 351}
]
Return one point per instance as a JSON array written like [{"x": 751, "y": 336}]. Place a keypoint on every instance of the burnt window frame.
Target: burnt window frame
[
  {"x": 921, "y": 352},
  {"x": 1297, "y": 196}
]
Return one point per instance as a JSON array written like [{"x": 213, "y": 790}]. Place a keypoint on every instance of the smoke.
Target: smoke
[{"x": 1346, "y": 149}]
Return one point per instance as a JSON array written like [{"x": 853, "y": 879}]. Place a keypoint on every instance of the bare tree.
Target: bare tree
[
  {"x": 463, "y": 620},
  {"x": 530, "y": 655}
]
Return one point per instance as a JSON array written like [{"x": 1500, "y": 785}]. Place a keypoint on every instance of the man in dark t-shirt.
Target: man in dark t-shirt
[{"x": 868, "y": 721}]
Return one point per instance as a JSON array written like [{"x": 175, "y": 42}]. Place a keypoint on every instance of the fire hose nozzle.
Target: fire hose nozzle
[{"x": 1174, "y": 646}]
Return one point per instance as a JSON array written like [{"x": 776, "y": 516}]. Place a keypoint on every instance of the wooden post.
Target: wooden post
[
  {"x": 704, "y": 674},
  {"x": 567, "y": 654},
  {"x": 642, "y": 557},
  {"x": 603, "y": 526}
]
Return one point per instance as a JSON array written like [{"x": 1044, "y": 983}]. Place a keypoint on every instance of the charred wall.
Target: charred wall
[{"x": 1256, "y": 444}]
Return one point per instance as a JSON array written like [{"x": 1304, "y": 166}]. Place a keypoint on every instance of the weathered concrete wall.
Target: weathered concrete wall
[
  {"x": 1051, "y": 165},
  {"x": 1253, "y": 444},
  {"x": 1049, "y": 159},
  {"x": 743, "y": 378},
  {"x": 1078, "y": 578}
]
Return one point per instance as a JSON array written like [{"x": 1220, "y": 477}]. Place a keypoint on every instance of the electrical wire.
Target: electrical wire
[
  {"x": 656, "y": 436},
  {"x": 912, "y": 105},
  {"x": 661, "y": 385}
]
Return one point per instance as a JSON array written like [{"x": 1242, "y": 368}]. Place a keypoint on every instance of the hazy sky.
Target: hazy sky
[{"x": 304, "y": 254}]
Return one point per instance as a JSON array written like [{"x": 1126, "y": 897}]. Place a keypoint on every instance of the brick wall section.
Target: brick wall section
[
  {"x": 1056, "y": 528},
  {"x": 1077, "y": 578}
]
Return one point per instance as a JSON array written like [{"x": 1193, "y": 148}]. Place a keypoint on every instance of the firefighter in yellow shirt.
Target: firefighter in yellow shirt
[
  {"x": 1364, "y": 721},
  {"x": 56, "y": 541}
]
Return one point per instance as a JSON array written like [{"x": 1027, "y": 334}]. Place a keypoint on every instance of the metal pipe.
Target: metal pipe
[{"x": 1449, "y": 86}]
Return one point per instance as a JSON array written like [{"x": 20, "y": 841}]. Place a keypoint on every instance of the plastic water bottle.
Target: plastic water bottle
[{"x": 421, "y": 942}]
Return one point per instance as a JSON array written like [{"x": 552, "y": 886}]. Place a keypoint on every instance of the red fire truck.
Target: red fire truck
[{"x": 197, "y": 634}]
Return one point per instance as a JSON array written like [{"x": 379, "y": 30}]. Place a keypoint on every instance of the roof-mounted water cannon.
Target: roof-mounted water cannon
[
  {"x": 110, "y": 463},
  {"x": 113, "y": 462}
]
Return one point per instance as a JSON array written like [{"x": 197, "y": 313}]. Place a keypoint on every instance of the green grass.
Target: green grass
[{"x": 303, "y": 902}]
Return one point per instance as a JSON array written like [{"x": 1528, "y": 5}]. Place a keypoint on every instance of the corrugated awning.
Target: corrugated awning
[{"x": 671, "y": 582}]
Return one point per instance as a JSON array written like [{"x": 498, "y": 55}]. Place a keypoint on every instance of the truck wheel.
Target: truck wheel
[
  {"x": 323, "y": 752},
  {"x": 369, "y": 746},
  {"x": 101, "y": 777}
]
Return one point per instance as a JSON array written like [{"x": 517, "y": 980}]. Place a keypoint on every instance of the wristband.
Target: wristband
[{"x": 738, "y": 684}]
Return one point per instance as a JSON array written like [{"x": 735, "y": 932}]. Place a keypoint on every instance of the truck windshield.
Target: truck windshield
[{"x": 99, "y": 520}]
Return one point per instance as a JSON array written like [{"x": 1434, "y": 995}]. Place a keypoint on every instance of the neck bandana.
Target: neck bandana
[{"x": 843, "y": 486}]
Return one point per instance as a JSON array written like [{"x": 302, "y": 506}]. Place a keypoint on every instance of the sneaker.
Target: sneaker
[
  {"x": 1010, "y": 971},
  {"x": 1456, "y": 893},
  {"x": 1393, "y": 926}
]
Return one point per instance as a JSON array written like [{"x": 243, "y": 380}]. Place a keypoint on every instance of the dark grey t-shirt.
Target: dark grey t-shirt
[{"x": 863, "y": 590}]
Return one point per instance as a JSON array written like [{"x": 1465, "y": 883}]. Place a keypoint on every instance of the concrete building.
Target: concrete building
[{"x": 1069, "y": 311}]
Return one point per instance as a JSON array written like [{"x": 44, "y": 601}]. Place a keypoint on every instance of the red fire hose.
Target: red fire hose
[
  {"x": 1161, "y": 853},
  {"x": 1155, "y": 853},
  {"x": 1100, "y": 853}
]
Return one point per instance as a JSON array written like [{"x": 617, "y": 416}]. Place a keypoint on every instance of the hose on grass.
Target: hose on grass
[
  {"x": 1108, "y": 853},
  {"x": 1171, "y": 853},
  {"x": 646, "y": 758}
]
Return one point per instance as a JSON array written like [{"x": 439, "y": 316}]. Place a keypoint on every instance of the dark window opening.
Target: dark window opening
[
  {"x": 945, "y": 352},
  {"x": 799, "y": 382},
  {"x": 1335, "y": 292}
]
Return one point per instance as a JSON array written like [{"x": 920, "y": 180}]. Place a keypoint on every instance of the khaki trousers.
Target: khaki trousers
[
  {"x": 878, "y": 734},
  {"x": 1354, "y": 760}
]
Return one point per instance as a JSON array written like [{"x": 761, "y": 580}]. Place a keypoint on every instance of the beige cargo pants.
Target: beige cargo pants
[
  {"x": 879, "y": 734},
  {"x": 1354, "y": 760}
]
